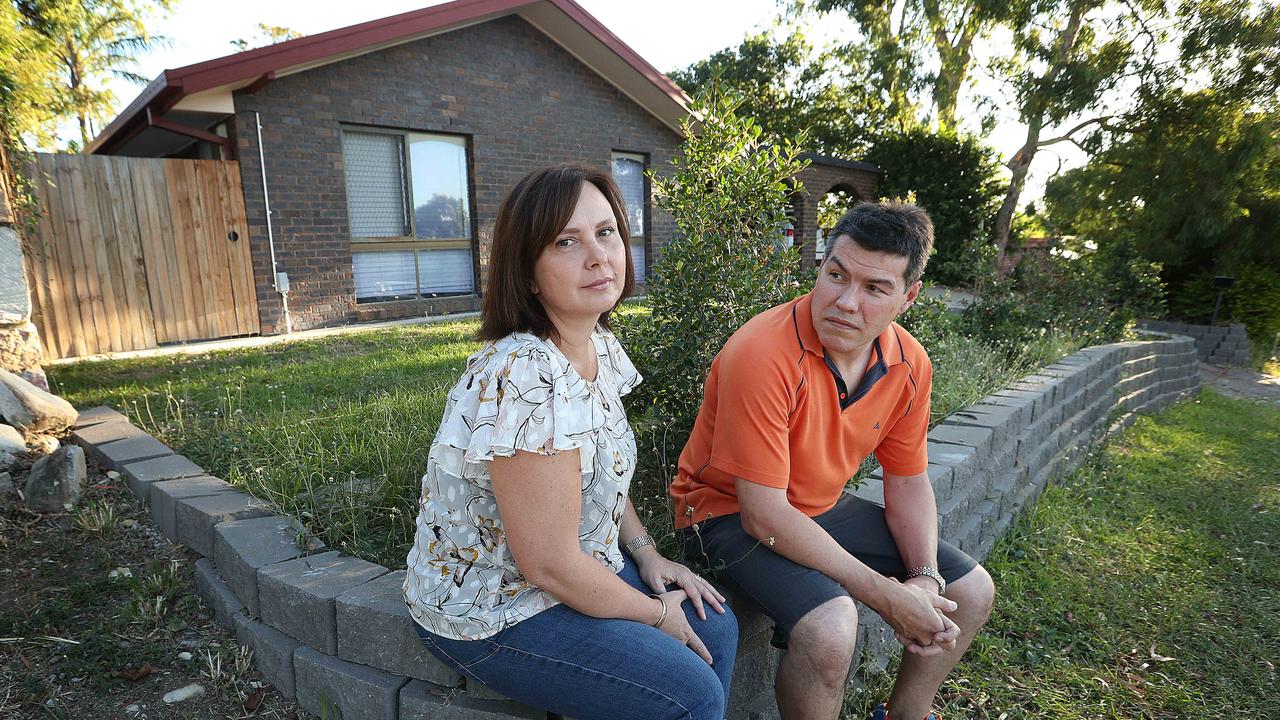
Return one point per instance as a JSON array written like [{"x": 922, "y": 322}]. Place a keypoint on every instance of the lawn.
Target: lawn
[
  {"x": 1146, "y": 585},
  {"x": 336, "y": 430}
]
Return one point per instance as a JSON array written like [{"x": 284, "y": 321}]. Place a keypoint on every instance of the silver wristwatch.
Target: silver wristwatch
[
  {"x": 638, "y": 542},
  {"x": 926, "y": 571}
]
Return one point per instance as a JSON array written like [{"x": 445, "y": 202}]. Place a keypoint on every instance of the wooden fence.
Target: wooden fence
[{"x": 132, "y": 253}]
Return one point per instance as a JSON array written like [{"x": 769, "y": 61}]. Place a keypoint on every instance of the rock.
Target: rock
[
  {"x": 36, "y": 377},
  {"x": 56, "y": 480},
  {"x": 31, "y": 409},
  {"x": 11, "y": 441},
  {"x": 184, "y": 655},
  {"x": 43, "y": 444},
  {"x": 184, "y": 693},
  {"x": 7, "y": 460},
  {"x": 6, "y": 483},
  {"x": 20, "y": 348}
]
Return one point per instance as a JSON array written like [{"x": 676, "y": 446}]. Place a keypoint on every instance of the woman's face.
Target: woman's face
[{"x": 580, "y": 274}]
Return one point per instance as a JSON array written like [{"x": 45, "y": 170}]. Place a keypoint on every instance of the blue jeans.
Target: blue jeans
[{"x": 601, "y": 669}]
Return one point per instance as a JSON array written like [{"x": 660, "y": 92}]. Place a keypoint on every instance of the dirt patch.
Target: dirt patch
[
  {"x": 1241, "y": 383},
  {"x": 99, "y": 618}
]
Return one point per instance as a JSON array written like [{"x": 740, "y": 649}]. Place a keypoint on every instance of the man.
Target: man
[{"x": 795, "y": 401}]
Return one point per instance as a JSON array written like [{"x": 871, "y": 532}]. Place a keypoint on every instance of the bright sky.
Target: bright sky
[{"x": 669, "y": 34}]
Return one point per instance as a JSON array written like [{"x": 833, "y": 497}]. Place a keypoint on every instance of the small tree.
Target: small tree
[{"x": 728, "y": 193}]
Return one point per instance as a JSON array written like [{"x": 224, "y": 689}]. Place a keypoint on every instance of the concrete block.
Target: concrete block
[
  {"x": 751, "y": 672},
  {"x": 166, "y": 493},
  {"x": 272, "y": 652},
  {"x": 240, "y": 547},
  {"x": 140, "y": 475},
  {"x": 195, "y": 517},
  {"x": 97, "y": 416},
  {"x": 296, "y": 596},
  {"x": 423, "y": 701},
  {"x": 330, "y": 687},
  {"x": 115, "y": 455},
  {"x": 216, "y": 594},
  {"x": 979, "y": 438},
  {"x": 870, "y": 489},
  {"x": 104, "y": 432},
  {"x": 375, "y": 629},
  {"x": 941, "y": 477}
]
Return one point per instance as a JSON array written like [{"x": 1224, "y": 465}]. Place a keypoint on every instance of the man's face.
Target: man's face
[{"x": 857, "y": 294}]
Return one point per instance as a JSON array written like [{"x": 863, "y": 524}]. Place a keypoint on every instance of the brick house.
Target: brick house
[{"x": 388, "y": 146}]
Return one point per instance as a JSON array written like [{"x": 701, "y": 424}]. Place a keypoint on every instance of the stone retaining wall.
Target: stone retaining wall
[
  {"x": 332, "y": 631},
  {"x": 1218, "y": 344}
]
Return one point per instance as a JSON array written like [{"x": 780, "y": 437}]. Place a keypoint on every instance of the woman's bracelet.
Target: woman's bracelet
[
  {"x": 663, "y": 615},
  {"x": 638, "y": 542}
]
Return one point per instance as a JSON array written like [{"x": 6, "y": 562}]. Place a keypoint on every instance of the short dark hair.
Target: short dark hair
[
  {"x": 529, "y": 220},
  {"x": 892, "y": 227}
]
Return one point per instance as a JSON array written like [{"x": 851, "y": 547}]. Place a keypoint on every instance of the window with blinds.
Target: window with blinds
[
  {"x": 628, "y": 173},
  {"x": 409, "y": 209}
]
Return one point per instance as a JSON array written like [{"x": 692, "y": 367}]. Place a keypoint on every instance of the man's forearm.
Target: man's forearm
[{"x": 911, "y": 512}]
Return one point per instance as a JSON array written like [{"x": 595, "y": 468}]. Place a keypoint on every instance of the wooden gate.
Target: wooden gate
[{"x": 132, "y": 253}]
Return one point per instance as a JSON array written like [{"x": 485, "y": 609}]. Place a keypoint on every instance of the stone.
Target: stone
[
  {"x": 12, "y": 441},
  {"x": 165, "y": 494},
  {"x": 31, "y": 409},
  {"x": 15, "y": 296},
  {"x": 141, "y": 474},
  {"x": 420, "y": 700},
  {"x": 240, "y": 547},
  {"x": 6, "y": 483},
  {"x": 37, "y": 377},
  {"x": 194, "y": 690},
  {"x": 98, "y": 415},
  {"x": 117, "y": 454},
  {"x": 216, "y": 594},
  {"x": 7, "y": 460},
  {"x": 272, "y": 652},
  {"x": 296, "y": 596},
  {"x": 195, "y": 517},
  {"x": 326, "y": 684},
  {"x": 375, "y": 629},
  {"x": 20, "y": 352},
  {"x": 56, "y": 480}
]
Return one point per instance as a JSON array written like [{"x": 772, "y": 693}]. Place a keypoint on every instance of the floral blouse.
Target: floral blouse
[{"x": 518, "y": 393}]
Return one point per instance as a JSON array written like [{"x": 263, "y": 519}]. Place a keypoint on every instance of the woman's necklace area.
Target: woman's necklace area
[{"x": 587, "y": 367}]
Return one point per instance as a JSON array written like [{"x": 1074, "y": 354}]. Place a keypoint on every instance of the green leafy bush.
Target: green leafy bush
[{"x": 1255, "y": 301}]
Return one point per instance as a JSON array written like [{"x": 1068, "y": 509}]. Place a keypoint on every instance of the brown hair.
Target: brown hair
[
  {"x": 529, "y": 220},
  {"x": 893, "y": 227}
]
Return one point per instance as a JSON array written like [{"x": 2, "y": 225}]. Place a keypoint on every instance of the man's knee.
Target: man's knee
[
  {"x": 975, "y": 593},
  {"x": 825, "y": 638}
]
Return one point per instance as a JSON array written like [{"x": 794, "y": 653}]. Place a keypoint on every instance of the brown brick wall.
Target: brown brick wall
[
  {"x": 521, "y": 100},
  {"x": 818, "y": 180}
]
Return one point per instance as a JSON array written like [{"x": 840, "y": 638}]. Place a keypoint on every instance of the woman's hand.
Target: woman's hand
[
  {"x": 659, "y": 573},
  {"x": 677, "y": 626}
]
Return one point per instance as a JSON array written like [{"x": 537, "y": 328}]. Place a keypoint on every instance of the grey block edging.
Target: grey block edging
[{"x": 990, "y": 462}]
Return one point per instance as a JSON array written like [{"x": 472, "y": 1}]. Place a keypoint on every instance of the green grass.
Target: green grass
[
  {"x": 1146, "y": 585},
  {"x": 336, "y": 431}
]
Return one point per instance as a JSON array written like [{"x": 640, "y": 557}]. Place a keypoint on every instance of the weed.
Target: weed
[{"x": 97, "y": 518}]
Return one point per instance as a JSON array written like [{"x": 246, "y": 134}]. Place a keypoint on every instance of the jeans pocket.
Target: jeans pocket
[{"x": 462, "y": 656}]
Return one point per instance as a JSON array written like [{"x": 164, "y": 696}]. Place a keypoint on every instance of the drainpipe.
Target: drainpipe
[{"x": 279, "y": 280}]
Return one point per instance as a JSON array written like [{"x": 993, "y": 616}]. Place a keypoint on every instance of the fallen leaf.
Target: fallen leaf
[
  {"x": 137, "y": 674},
  {"x": 252, "y": 702},
  {"x": 1070, "y": 616}
]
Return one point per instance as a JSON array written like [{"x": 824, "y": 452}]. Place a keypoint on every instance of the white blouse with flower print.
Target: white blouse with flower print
[{"x": 518, "y": 393}]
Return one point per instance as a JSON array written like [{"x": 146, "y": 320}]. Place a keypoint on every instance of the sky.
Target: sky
[{"x": 669, "y": 34}]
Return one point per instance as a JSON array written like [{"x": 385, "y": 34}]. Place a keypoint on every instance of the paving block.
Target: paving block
[
  {"x": 330, "y": 687},
  {"x": 978, "y": 438},
  {"x": 423, "y": 701},
  {"x": 140, "y": 475},
  {"x": 105, "y": 432},
  {"x": 752, "y": 671},
  {"x": 375, "y": 629},
  {"x": 272, "y": 652},
  {"x": 953, "y": 456},
  {"x": 166, "y": 493},
  {"x": 296, "y": 596},
  {"x": 870, "y": 489},
  {"x": 97, "y": 416},
  {"x": 240, "y": 547},
  {"x": 195, "y": 517},
  {"x": 115, "y": 455},
  {"x": 216, "y": 594}
]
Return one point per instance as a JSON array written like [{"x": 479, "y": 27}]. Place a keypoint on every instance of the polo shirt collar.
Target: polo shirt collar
[{"x": 807, "y": 335}]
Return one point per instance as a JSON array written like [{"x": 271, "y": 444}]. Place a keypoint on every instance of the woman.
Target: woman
[{"x": 530, "y": 570}]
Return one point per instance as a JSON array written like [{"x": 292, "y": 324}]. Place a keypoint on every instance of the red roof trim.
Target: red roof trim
[{"x": 313, "y": 48}]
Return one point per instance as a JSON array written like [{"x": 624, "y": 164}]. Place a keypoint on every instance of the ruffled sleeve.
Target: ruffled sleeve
[
  {"x": 625, "y": 375},
  {"x": 513, "y": 396}
]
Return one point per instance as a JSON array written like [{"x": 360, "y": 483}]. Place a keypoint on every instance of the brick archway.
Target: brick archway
[{"x": 826, "y": 174}]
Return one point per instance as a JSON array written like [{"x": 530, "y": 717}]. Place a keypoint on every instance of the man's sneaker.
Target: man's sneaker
[{"x": 882, "y": 713}]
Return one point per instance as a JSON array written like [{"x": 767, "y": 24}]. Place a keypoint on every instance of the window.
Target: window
[
  {"x": 407, "y": 201},
  {"x": 628, "y": 172}
]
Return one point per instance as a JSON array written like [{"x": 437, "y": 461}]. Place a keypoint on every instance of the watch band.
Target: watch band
[
  {"x": 638, "y": 542},
  {"x": 932, "y": 574}
]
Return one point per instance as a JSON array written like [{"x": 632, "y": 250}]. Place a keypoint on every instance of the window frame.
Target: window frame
[
  {"x": 412, "y": 242},
  {"x": 646, "y": 192}
]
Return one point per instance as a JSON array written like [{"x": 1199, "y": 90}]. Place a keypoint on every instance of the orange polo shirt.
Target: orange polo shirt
[{"x": 772, "y": 413}]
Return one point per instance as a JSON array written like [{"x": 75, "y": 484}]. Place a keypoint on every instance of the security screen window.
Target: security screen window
[
  {"x": 410, "y": 216},
  {"x": 628, "y": 173}
]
